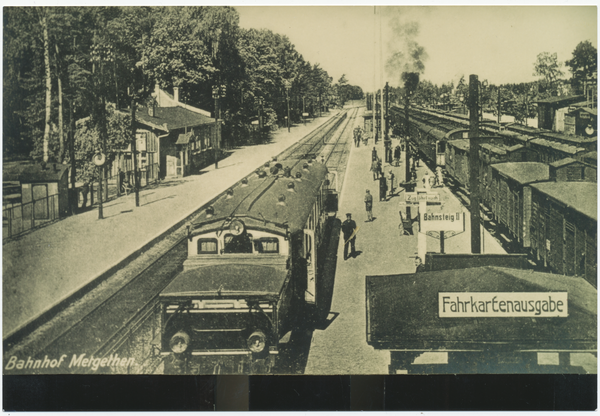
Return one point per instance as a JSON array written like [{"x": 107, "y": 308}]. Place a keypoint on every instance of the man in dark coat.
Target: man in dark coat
[
  {"x": 382, "y": 188},
  {"x": 397, "y": 154},
  {"x": 419, "y": 265},
  {"x": 349, "y": 231}
]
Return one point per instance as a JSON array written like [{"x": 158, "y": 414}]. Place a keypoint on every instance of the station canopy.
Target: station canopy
[{"x": 403, "y": 312}]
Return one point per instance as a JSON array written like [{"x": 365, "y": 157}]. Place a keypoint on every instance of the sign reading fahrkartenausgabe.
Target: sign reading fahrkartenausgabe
[{"x": 503, "y": 304}]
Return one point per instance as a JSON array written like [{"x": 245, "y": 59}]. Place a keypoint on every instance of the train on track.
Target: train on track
[
  {"x": 431, "y": 130},
  {"x": 252, "y": 271},
  {"x": 513, "y": 163}
]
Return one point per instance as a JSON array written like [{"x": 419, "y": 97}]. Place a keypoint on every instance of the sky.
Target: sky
[{"x": 498, "y": 43}]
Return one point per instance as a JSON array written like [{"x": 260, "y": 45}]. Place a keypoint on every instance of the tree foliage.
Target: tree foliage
[
  {"x": 548, "y": 67},
  {"x": 583, "y": 64},
  {"x": 113, "y": 54}
]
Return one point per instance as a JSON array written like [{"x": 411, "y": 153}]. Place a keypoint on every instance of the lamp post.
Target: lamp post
[
  {"x": 288, "y": 85},
  {"x": 101, "y": 53},
  {"x": 217, "y": 93},
  {"x": 260, "y": 117}
]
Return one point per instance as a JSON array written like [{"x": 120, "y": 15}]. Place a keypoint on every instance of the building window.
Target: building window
[
  {"x": 239, "y": 244},
  {"x": 267, "y": 245},
  {"x": 207, "y": 246},
  {"x": 40, "y": 202}
]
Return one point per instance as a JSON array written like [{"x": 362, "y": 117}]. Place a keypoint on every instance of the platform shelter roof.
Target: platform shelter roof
[{"x": 403, "y": 312}]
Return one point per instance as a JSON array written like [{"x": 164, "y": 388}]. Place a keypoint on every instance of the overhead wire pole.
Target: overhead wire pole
[
  {"x": 373, "y": 101},
  {"x": 474, "y": 163},
  {"x": 381, "y": 78}
]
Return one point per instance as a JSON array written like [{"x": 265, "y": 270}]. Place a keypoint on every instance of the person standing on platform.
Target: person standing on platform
[
  {"x": 439, "y": 177},
  {"x": 369, "y": 205},
  {"x": 349, "y": 231},
  {"x": 391, "y": 184},
  {"x": 419, "y": 264},
  {"x": 374, "y": 154},
  {"x": 382, "y": 188},
  {"x": 397, "y": 153},
  {"x": 375, "y": 169},
  {"x": 426, "y": 180},
  {"x": 379, "y": 168}
]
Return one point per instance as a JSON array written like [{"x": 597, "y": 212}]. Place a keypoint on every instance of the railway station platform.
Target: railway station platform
[
  {"x": 47, "y": 266},
  {"x": 341, "y": 348}
]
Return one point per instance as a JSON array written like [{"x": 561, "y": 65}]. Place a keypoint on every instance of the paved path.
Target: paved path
[
  {"x": 342, "y": 348},
  {"x": 47, "y": 265}
]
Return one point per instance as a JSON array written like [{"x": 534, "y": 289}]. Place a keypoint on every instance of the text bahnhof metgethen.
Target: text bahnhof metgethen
[
  {"x": 502, "y": 304},
  {"x": 76, "y": 361}
]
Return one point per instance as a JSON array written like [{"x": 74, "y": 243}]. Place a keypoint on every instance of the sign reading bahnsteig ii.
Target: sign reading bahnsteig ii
[
  {"x": 442, "y": 221},
  {"x": 503, "y": 304}
]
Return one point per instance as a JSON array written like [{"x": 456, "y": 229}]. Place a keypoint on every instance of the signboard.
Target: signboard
[
  {"x": 413, "y": 198},
  {"x": 304, "y": 114},
  {"x": 442, "y": 221},
  {"x": 503, "y": 304}
]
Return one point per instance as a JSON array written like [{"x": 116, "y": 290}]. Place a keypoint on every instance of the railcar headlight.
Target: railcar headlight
[
  {"x": 257, "y": 341},
  {"x": 179, "y": 342}
]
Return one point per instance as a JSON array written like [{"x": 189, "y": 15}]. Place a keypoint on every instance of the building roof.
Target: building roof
[
  {"x": 558, "y": 146},
  {"x": 562, "y": 101},
  {"x": 579, "y": 196},
  {"x": 29, "y": 172},
  {"x": 584, "y": 104},
  {"x": 524, "y": 172},
  {"x": 515, "y": 148},
  {"x": 590, "y": 155},
  {"x": 562, "y": 162},
  {"x": 171, "y": 118},
  {"x": 462, "y": 144},
  {"x": 568, "y": 138},
  {"x": 493, "y": 149},
  {"x": 593, "y": 111},
  {"x": 403, "y": 311},
  {"x": 164, "y": 99}
]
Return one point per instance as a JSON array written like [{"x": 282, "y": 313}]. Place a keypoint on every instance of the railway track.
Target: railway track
[{"x": 119, "y": 317}]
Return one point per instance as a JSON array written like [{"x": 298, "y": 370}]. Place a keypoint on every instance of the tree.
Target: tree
[
  {"x": 548, "y": 67},
  {"x": 583, "y": 64},
  {"x": 88, "y": 138}
]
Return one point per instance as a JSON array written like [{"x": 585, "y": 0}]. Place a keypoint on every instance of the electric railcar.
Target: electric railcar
[{"x": 251, "y": 273}]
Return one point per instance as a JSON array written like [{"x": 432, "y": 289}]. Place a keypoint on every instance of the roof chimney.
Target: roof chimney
[
  {"x": 176, "y": 94},
  {"x": 152, "y": 108}
]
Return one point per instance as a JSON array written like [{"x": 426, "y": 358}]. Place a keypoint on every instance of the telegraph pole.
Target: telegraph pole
[
  {"x": 499, "y": 108},
  {"x": 474, "y": 163},
  {"x": 73, "y": 195},
  {"x": 407, "y": 175},
  {"x": 136, "y": 185}
]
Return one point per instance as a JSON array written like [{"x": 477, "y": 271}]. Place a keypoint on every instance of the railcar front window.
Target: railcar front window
[
  {"x": 266, "y": 245},
  {"x": 207, "y": 246},
  {"x": 239, "y": 244}
]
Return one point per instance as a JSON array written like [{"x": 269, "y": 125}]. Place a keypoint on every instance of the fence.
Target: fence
[
  {"x": 24, "y": 217},
  {"x": 20, "y": 218}
]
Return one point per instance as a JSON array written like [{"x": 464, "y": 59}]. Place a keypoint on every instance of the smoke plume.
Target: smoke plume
[{"x": 407, "y": 56}]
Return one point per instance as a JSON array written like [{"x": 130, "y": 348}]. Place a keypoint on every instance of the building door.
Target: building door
[
  {"x": 172, "y": 165},
  {"x": 310, "y": 254}
]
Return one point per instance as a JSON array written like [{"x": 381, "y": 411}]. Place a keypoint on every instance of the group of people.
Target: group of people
[
  {"x": 360, "y": 135},
  {"x": 387, "y": 183}
]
